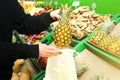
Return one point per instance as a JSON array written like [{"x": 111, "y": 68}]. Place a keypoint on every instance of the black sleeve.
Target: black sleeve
[
  {"x": 13, "y": 15},
  {"x": 16, "y": 51},
  {"x": 10, "y": 52},
  {"x": 26, "y": 24}
]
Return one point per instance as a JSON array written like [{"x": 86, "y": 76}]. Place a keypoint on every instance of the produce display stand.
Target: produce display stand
[
  {"x": 114, "y": 18},
  {"x": 78, "y": 45},
  {"x": 104, "y": 55}
]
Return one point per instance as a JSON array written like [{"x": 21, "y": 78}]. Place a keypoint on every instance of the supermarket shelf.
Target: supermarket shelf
[{"x": 104, "y": 55}]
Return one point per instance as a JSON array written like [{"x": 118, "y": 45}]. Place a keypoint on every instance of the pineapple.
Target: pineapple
[
  {"x": 97, "y": 37},
  {"x": 63, "y": 32}
]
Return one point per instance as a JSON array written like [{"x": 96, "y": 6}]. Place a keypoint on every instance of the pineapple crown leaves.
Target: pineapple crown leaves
[
  {"x": 108, "y": 25},
  {"x": 65, "y": 8},
  {"x": 64, "y": 12}
]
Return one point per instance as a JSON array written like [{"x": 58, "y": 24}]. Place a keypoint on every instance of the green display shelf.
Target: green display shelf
[
  {"x": 115, "y": 61},
  {"x": 40, "y": 76},
  {"x": 116, "y": 18}
]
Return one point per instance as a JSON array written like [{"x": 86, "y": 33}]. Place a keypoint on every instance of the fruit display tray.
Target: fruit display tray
[
  {"x": 103, "y": 49},
  {"x": 115, "y": 61}
]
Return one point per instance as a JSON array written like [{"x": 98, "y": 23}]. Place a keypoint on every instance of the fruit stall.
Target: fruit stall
[{"x": 90, "y": 32}]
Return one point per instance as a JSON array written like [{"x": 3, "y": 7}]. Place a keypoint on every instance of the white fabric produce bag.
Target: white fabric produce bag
[{"x": 61, "y": 66}]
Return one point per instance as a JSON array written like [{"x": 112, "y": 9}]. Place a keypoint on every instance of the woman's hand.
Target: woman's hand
[
  {"x": 46, "y": 51},
  {"x": 55, "y": 14}
]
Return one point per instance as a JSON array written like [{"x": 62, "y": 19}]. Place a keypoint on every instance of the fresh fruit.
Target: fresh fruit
[
  {"x": 42, "y": 10},
  {"x": 15, "y": 76},
  {"x": 47, "y": 8},
  {"x": 25, "y": 74},
  {"x": 43, "y": 62},
  {"x": 14, "y": 39},
  {"x": 35, "y": 14},
  {"x": 17, "y": 65},
  {"x": 109, "y": 43},
  {"x": 35, "y": 38},
  {"x": 63, "y": 32},
  {"x": 97, "y": 37},
  {"x": 115, "y": 47}
]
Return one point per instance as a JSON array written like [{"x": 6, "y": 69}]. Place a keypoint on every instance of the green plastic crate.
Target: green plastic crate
[
  {"x": 19, "y": 39},
  {"x": 117, "y": 20},
  {"x": 36, "y": 65},
  {"x": 81, "y": 46},
  {"x": 115, "y": 16},
  {"x": 47, "y": 39},
  {"x": 49, "y": 29},
  {"x": 104, "y": 55},
  {"x": 40, "y": 76}
]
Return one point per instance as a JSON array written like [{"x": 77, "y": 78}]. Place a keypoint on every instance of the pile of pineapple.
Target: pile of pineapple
[
  {"x": 107, "y": 42},
  {"x": 63, "y": 32},
  {"x": 106, "y": 37}
]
